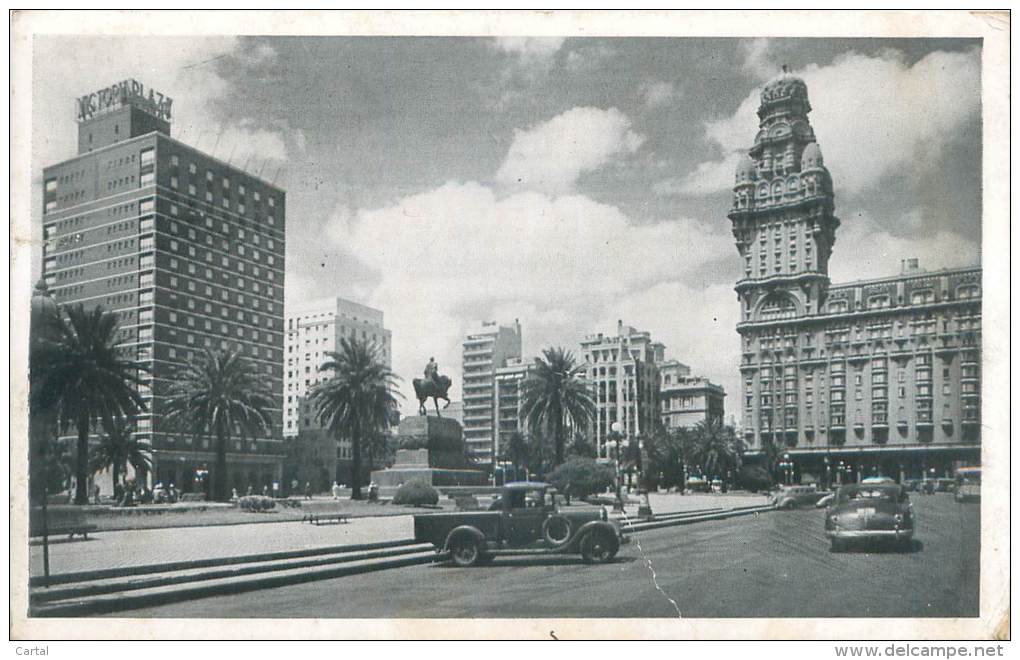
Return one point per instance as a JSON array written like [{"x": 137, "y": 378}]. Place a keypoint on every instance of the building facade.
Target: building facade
[
  {"x": 487, "y": 347},
  {"x": 509, "y": 391},
  {"x": 623, "y": 372},
  {"x": 880, "y": 376},
  {"x": 187, "y": 250},
  {"x": 315, "y": 328},
  {"x": 687, "y": 399}
]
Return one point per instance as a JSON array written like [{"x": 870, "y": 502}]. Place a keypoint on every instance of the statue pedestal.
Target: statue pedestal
[{"x": 430, "y": 450}]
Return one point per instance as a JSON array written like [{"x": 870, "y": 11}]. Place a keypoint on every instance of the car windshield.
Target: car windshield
[
  {"x": 887, "y": 494},
  {"x": 520, "y": 499}
]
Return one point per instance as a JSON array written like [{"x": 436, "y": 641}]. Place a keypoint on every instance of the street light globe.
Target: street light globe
[{"x": 616, "y": 427}]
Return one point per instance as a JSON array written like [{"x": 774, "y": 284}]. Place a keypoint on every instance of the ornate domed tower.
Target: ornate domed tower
[{"x": 782, "y": 211}]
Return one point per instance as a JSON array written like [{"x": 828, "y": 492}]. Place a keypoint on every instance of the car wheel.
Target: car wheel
[
  {"x": 465, "y": 551},
  {"x": 599, "y": 547},
  {"x": 556, "y": 530}
]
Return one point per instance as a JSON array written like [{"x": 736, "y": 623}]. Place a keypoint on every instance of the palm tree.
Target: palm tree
[
  {"x": 516, "y": 451},
  {"x": 118, "y": 449},
  {"x": 220, "y": 394},
  {"x": 358, "y": 400},
  {"x": 717, "y": 447},
  {"x": 556, "y": 397},
  {"x": 78, "y": 371}
]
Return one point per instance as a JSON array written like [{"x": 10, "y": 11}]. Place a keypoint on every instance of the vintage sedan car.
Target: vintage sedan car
[
  {"x": 525, "y": 521},
  {"x": 870, "y": 512},
  {"x": 968, "y": 485},
  {"x": 792, "y": 497}
]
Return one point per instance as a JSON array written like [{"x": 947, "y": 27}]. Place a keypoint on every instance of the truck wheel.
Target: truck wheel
[
  {"x": 599, "y": 547},
  {"x": 465, "y": 551},
  {"x": 556, "y": 530}
]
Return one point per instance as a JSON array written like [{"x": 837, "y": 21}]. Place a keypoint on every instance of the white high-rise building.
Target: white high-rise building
[
  {"x": 315, "y": 328},
  {"x": 487, "y": 347}
]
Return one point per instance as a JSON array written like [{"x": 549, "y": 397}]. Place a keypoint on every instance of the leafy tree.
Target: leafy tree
[
  {"x": 716, "y": 448},
  {"x": 556, "y": 397},
  {"x": 117, "y": 449},
  {"x": 753, "y": 478},
  {"x": 78, "y": 371},
  {"x": 581, "y": 447},
  {"x": 516, "y": 451},
  {"x": 220, "y": 394},
  {"x": 579, "y": 477},
  {"x": 358, "y": 400},
  {"x": 380, "y": 447},
  {"x": 669, "y": 454}
]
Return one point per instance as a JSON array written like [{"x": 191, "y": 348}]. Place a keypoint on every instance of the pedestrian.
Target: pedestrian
[
  {"x": 95, "y": 494},
  {"x": 308, "y": 490},
  {"x": 265, "y": 491},
  {"x": 233, "y": 494},
  {"x": 251, "y": 490},
  {"x": 336, "y": 491}
]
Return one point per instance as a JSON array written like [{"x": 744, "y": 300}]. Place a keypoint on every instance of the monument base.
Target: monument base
[{"x": 432, "y": 452}]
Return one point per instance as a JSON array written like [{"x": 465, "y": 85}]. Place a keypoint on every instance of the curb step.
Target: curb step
[
  {"x": 722, "y": 515},
  {"x": 143, "y": 569},
  {"x": 119, "y": 584},
  {"x": 161, "y": 595}
]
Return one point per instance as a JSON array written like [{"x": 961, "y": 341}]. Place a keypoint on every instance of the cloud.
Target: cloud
[
  {"x": 757, "y": 58},
  {"x": 588, "y": 57},
  {"x": 872, "y": 115},
  {"x": 559, "y": 263},
  {"x": 550, "y": 156},
  {"x": 863, "y": 246},
  {"x": 658, "y": 93},
  {"x": 709, "y": 177},
  {"x": 530, "y": 51}
]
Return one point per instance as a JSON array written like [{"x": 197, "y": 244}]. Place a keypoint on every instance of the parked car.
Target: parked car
[
  {"x": 825, "y": 501},
  {"x": 968, "y": 485},
  {"x": 869, "y": 512},
  {"x": 526, "y": 521},
  {"x": 792, "y": 497}
]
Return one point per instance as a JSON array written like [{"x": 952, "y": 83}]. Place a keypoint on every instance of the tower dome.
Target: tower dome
[
  {"x": 812, "y": 157},
  {"x": 747, "y": 170},
  {"x": 784, "y": 95}
]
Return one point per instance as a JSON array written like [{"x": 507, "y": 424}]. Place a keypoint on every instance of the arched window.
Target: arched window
[
  {"x": 777, "y": 189},
  {"x": 763, "y": 191},
  {"x": 777, "y": 306}
]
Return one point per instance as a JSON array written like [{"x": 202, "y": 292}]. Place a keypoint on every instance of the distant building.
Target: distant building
[
  {"x": 187, "y": 251},
  {"x": 487, "y": 347},
  {"x": 315, "y": 328},
  {"x": 875, "y": 376},
  {"x": 687, "y": 400},
  {"x": 623, "y": 372},
  {"x": 509, "y": 398}
]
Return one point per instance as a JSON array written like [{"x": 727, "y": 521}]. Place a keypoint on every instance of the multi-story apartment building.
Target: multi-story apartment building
[
  {"x": 623, "y": 372},
  {"x": 487, "y": 347},
  {"x": 509, "y": 390},
  {"x": 687, "y": 399},
  {"x": 187, "y": 250},
  {"x": 880, "y": 375},
  {"x": 315, "y": 328}
]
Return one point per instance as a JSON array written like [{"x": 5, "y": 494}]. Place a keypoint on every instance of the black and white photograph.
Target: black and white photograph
[{"x": 650, "y": 321}]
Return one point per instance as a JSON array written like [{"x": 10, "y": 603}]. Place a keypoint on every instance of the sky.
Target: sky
[{"x": 567, "y": 183}]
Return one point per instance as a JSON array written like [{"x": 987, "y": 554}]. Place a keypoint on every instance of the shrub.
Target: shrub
[
  {"x": 753, "y": 478},
  {"x": 416, "y": 493},
  {"x": 256, "y": 503},
  {"x": 579, "y": 477}
]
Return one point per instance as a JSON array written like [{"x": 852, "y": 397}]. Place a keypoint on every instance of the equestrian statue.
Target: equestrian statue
[{"x": 433, "y": 385}]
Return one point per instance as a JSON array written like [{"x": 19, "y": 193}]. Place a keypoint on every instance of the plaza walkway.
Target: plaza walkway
[{"x": 112, "y": 549}]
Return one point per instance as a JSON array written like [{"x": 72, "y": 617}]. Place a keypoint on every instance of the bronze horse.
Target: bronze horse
[{"x": 437, "y": 389}]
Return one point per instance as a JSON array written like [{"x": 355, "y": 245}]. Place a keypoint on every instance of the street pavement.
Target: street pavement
[{"x": 775, "y": 564}]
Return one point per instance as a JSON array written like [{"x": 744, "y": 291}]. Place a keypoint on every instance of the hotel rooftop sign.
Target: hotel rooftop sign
[{"x": 126, "y": 92}]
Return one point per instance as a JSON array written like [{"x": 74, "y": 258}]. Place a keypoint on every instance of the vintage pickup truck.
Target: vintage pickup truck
[{"x": 524, "y": 523}]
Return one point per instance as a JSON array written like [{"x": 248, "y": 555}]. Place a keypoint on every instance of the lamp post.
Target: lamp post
[
  {"x": 786, "y": 465},
  {"x": 828, "y": 479},
  {"x": 614, "y": 437}
]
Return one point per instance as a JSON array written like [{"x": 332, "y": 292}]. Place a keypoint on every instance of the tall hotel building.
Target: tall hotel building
[
  {"x": 313, "y": 329},
  {"x": 879, "y": 376},
  {"x": 623, "y": 372},
  {"x": 187, "y": 250},
  {"x": 487, "y": 347}
]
